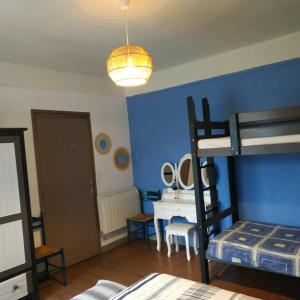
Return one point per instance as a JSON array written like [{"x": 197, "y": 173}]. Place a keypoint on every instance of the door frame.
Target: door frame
[{"x": 66, "y": 114}]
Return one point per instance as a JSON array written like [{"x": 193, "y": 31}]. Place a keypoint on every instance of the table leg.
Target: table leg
[
  {"x": 161, "y": 225},
  {"x": 171, "y": 236},
  {"x": 157, "y": 231}
]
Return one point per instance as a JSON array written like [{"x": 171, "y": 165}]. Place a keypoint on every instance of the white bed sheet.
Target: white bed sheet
[{"x": 224, "y": 142}]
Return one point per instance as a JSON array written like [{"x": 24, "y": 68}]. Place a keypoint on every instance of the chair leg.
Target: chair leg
[
  {"x": 147, "y": 236},
  {"x": 187, "y": 246},
  {"x": 195, "y": 243},
  {"x": 63, "y": 267},
  {"x": 168, "y": 236},
  {"x": 128, "y": 233},
  {"x": 144, "y": 231},
  {"x": 47, "y": 268}
]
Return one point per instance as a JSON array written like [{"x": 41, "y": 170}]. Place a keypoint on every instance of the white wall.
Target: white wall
[
  {"x": 24, "y": 76},
  {"x": 25, "y": 88},
  {"x": 271, "y": 51}
]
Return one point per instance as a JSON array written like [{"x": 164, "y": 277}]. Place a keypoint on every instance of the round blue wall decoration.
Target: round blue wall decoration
[
  {"x": 122, "y": 158},
  {"x": 102, "y": 143}
]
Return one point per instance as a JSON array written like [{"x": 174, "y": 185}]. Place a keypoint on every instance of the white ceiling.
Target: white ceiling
[{"x": 78, "y": 35}]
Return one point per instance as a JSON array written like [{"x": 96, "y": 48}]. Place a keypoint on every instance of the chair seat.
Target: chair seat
[
  {"x": 44, "y": 251},
  {"x": 142, "y": 218},
  {"x": 179, "y": 228}
]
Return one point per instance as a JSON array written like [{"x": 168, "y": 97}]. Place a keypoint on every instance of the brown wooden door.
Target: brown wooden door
[{"x": 66, "y": 177}]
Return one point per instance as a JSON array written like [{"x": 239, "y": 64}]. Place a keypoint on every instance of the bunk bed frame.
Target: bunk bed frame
[{"x": 268, "y": 123}]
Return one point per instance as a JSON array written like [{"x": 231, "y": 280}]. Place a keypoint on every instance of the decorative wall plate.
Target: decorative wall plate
[
  {"x": 102, "y": 143},
  {"x": 122, "y": 158}
]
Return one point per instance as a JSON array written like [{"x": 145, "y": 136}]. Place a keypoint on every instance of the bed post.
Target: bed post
[
  {"x": 200, "y": 207},
  {"x": 232, "y": 188},
  {"x": 233, "y": 128},
  {"x": 234, "y": 134}
]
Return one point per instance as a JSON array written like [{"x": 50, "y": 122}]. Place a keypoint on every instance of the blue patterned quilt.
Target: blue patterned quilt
[{"x": 271, "y": 247}]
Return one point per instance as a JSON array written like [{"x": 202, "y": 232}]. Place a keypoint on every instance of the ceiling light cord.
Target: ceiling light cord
[
  {"x": 126, "y": 32},
  {"x": 126, "y": 26}
]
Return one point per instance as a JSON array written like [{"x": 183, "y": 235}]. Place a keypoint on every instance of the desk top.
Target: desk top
[
  {"x": 181, "y": 198},
  {"x": 180, "y": 202}
]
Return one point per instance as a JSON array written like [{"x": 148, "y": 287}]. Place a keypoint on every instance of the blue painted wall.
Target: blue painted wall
[{"x": 268, "y": 185}]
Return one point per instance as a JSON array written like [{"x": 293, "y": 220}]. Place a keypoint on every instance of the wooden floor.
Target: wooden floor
[{"x": 128, "y": 264}]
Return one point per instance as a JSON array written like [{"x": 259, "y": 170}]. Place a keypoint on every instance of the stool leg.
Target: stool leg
[
  {"x": 195, "y": 242},
  {"x": 187, "y": 246},
  {"x": 176, "y": 243},
  {"x": 168, "y": 244}
]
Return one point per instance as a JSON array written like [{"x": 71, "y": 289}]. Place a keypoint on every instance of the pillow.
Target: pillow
[{"x": 103, "y": 290}]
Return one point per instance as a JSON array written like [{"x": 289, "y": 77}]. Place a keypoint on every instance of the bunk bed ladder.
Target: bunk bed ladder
[
  {"x": 200, "y": 207},
  {"x": 199, "y": 189},
  {"x": 211, "y": 169}
]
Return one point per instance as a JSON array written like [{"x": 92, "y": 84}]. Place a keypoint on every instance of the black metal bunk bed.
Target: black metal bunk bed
[{"x": 263, "y": 132}]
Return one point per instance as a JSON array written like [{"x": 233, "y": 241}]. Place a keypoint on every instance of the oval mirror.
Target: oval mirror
[
  {"x": 204, "y": 175},
  {"x": 168, "y": 175},
  {"x": 185, "y": 172}
]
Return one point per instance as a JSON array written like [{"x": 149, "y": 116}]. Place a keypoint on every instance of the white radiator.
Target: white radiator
[{"x": 115, "y": 207}]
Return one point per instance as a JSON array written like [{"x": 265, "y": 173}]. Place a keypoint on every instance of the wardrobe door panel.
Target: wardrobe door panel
[
  {"x": 9, "y": 188},
  {"x": 12, "y": 245}
]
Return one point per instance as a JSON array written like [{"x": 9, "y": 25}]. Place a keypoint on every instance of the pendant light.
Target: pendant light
[{"x": 129, "y": 65}]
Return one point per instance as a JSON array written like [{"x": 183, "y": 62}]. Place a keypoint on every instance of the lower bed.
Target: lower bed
[
  {"x": 161, "y": 287},
  {"x": 264, "y": 246}
]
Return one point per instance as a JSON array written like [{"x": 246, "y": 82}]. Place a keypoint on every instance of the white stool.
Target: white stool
[{"x": 181, "y": 229}]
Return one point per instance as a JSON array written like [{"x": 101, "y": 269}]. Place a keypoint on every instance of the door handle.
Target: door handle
[{"x": 90, "y": 187}]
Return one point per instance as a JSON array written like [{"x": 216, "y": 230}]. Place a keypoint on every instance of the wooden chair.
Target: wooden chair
[
  {"x": 44, "y": 252},
  {"x": 143, "y": 222}
]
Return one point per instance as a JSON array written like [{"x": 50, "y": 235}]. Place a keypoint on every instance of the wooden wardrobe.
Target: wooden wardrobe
[{"x": 17, "y": 273}]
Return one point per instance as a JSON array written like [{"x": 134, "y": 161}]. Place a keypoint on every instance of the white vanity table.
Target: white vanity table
[
  {"x": 180, "y": 202},
  {"x": 182, "y": 206}
]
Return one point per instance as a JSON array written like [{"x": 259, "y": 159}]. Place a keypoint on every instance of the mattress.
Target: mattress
[
  {"x": 163, "y": 286},
  {"x": 270, "y": 247},
  {"x": 224, "y": 142}
]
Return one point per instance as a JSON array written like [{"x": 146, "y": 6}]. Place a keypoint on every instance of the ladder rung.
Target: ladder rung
[
  {"x": 211, "y": 136},
  {"x": 206, "y": 166},
  {"x": 211, "y": 209},
  {"x": 212, "y": 187}
]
